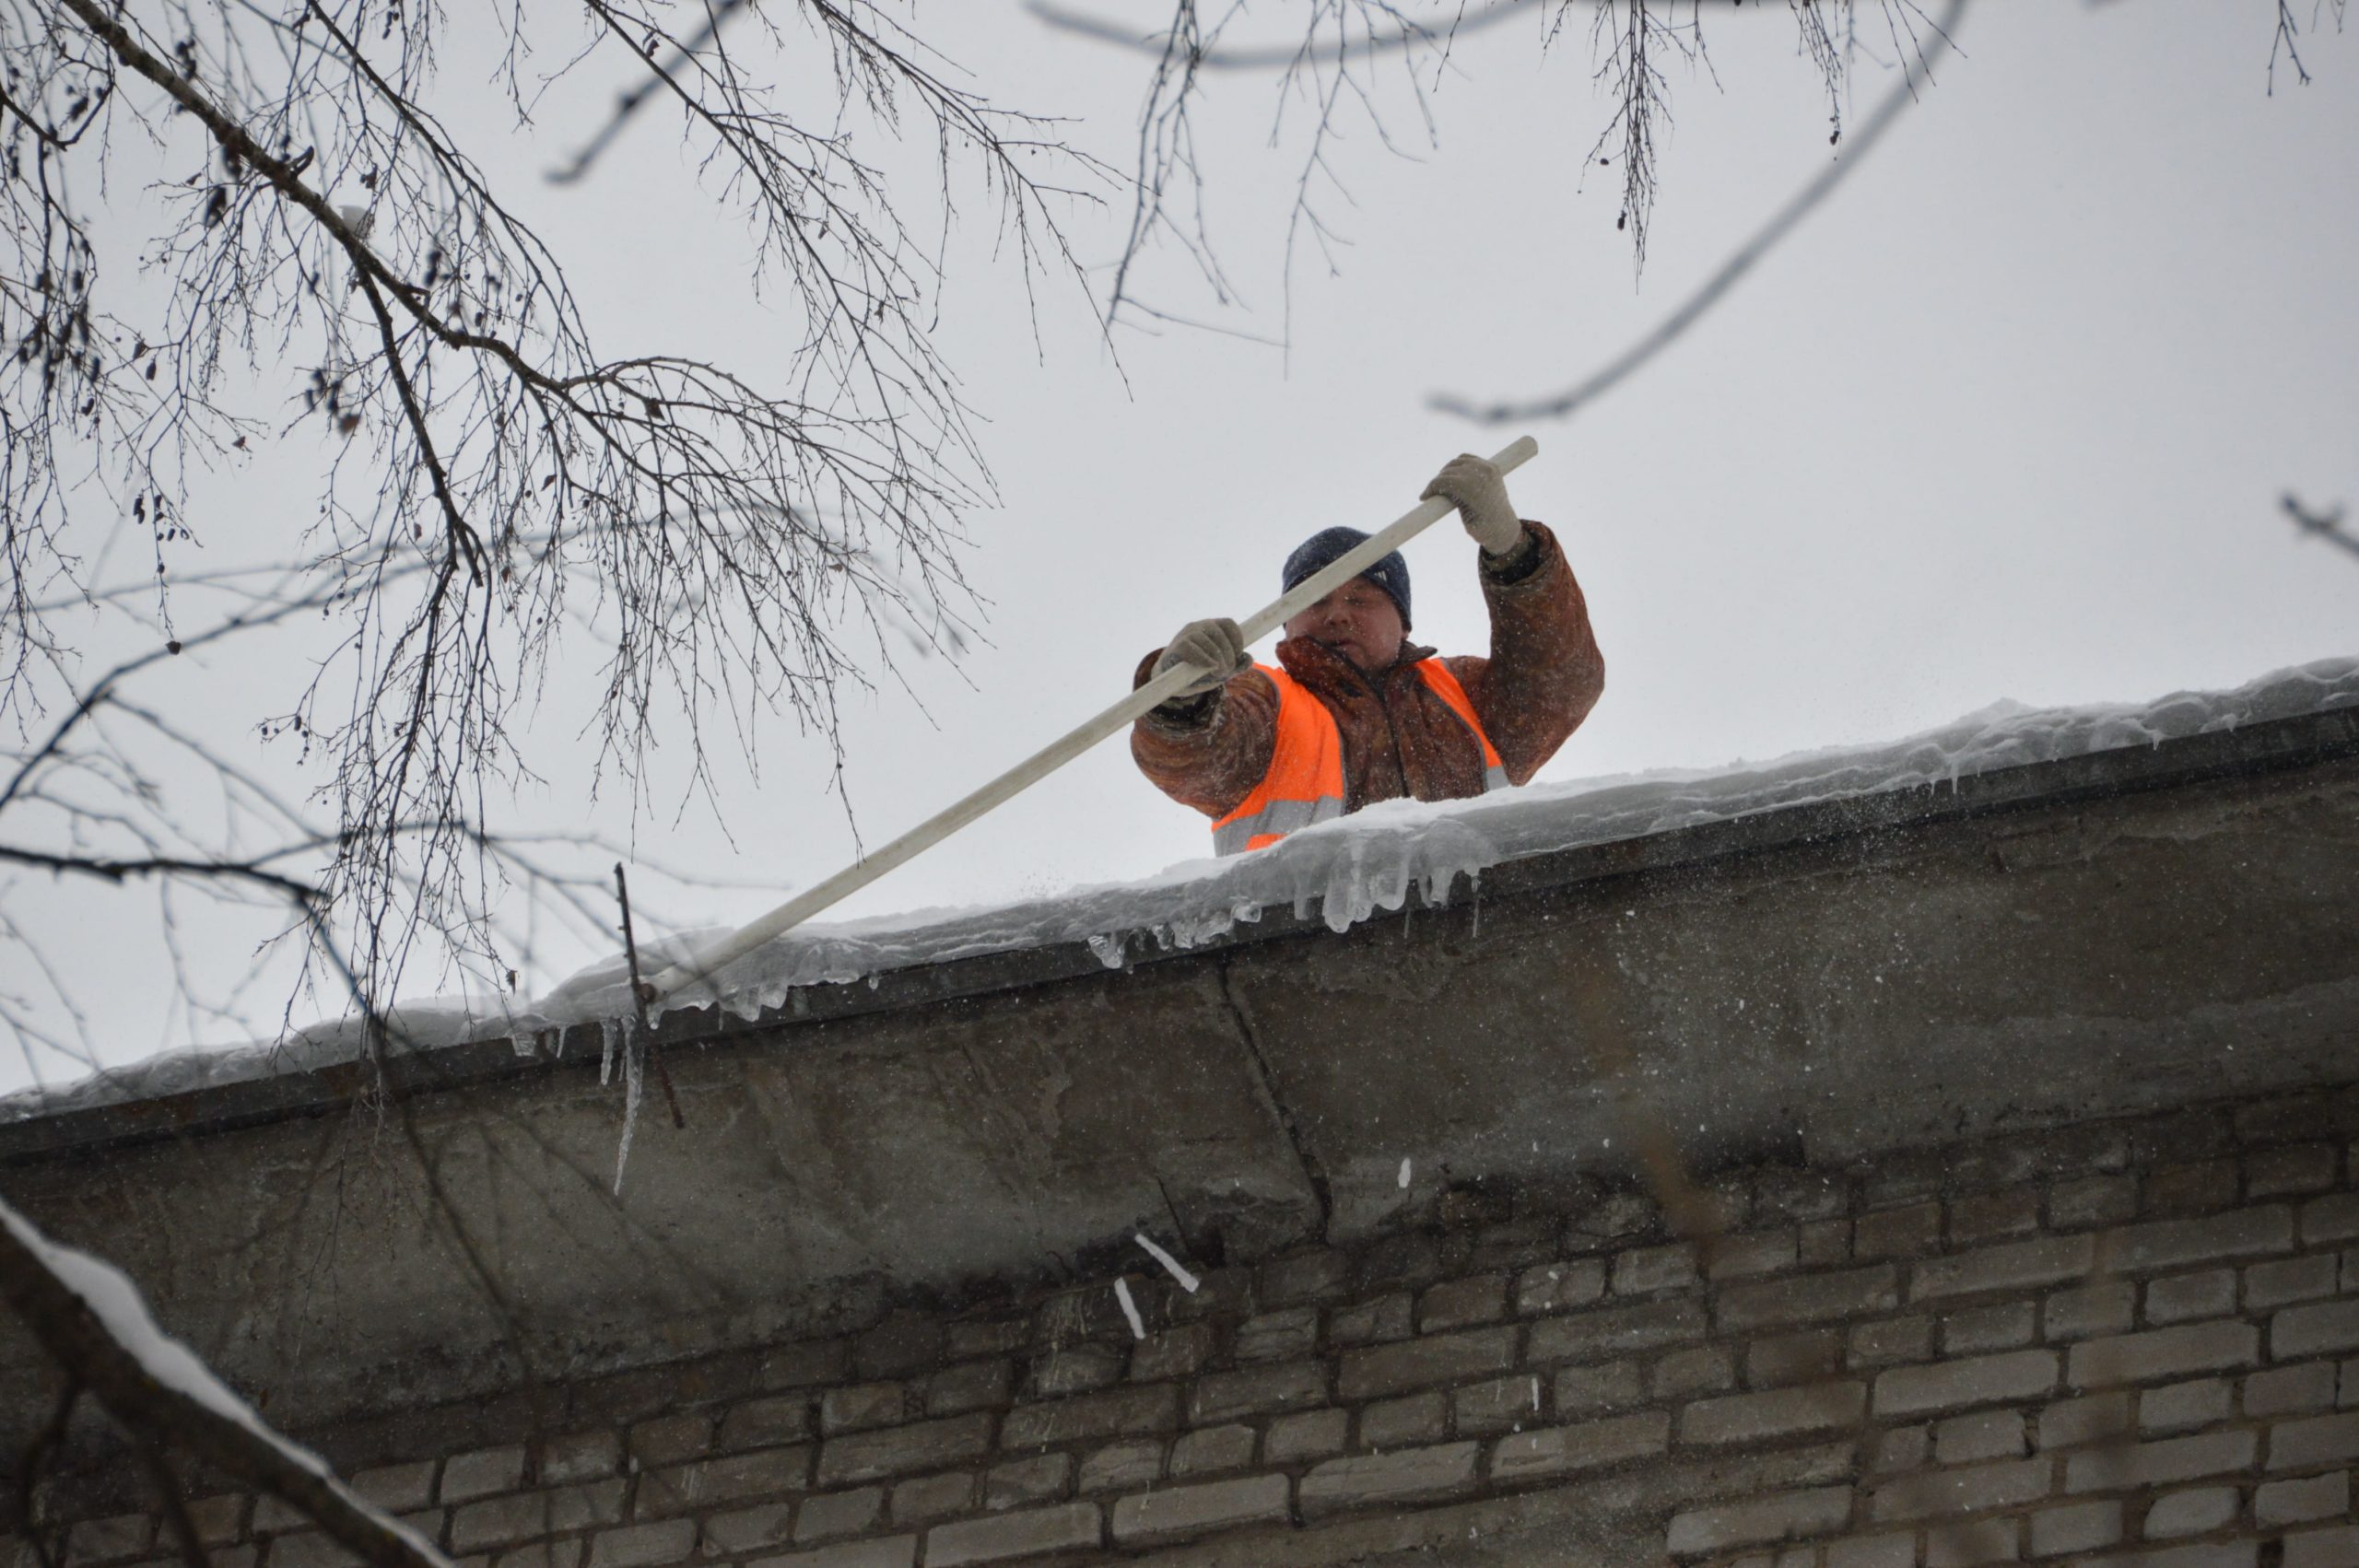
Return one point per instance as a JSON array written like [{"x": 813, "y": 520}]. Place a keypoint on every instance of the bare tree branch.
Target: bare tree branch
[
  {"x": 629, "y": 103},
  {"x": 2325, "y": 525},
  {"x": 2284, "y": 38},
  {"x": 1330, "y": 68},
  {"x": 1564, "y": 404},
  {"x": 493, "y": 482},
  {"x": 1408, "y": 35},
  {"x": 87, "y": 1341}
]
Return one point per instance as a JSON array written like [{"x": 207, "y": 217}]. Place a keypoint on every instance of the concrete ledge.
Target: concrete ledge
[{"x": 2277, "y": 745}]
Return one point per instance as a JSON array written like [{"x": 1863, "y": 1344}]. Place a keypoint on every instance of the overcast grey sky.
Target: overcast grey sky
[{"x": 2009, "y": 417}]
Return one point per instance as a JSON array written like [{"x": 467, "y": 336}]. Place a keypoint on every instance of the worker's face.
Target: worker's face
[{"x": 1358, "y": 621}]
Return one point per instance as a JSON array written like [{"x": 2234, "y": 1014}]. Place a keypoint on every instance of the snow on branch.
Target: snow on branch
[{"x": 93, "y": 1321}]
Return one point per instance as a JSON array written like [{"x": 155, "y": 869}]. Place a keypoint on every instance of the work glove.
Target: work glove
[
  {"x": 1215, "y": 647},
  {"x": 1479, "y": 491}
]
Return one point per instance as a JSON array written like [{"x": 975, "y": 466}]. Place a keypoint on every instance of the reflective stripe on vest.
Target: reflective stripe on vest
[{"x": 1304, "y": 783}]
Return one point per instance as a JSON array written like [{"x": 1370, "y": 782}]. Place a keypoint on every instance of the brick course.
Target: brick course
[
  {"x": 1410, "y": 1475},
  {"x": 1819, "y": 1298},
  {"x": 2321, "y": 1329},
  {"x": 1760, "y": 1521},
  {"x": 2117, "y": 1466},
  {"x": 1752, "y": 1418},
  {"x": 1181, "y": 1511},
  {"x": 1010, "y": 1536},
  {"x": 1974, "y": 1489},
  {"x": 1593, "y": 1336},
  {"x": 901, "y": 1450},
  {"x": 2163, "y": 1352},
  {"x": 1422, "y": 1363},
  {"x": 1559, "y": 1450}
]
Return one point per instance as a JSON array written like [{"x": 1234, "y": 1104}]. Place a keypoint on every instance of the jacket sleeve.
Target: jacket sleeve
[
  {"x": 1208, "y": 752},
  {"x": 1545, "y": 672}
]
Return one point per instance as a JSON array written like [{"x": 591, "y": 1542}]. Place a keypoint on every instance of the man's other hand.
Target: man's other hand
[
  {"x": 1215, "y": 647},
  {"x": 1475, "y": 486}
]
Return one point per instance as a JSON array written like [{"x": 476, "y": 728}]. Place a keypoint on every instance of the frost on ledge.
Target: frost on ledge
[{"x": 1345, "y": 871}]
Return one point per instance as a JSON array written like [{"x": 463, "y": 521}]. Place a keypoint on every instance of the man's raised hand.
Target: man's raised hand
[
  {"x": 1215, "y": 647},
  {"x": 1475, "y": 486}
]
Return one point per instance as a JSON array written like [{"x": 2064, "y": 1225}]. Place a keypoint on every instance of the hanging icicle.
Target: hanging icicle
[{"x": 634, "y": 1055}]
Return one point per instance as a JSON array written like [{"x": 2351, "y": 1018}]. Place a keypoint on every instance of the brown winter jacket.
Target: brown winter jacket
[{"x": 1542, "y": 678}]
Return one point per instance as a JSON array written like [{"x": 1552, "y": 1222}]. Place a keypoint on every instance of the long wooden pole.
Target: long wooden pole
[{"x": 1016, "y": 780}]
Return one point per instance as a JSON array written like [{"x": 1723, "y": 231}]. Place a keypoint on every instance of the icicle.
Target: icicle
[
  {"x": 1130, "y": 1308},
  {"x": 606, "y": 1051},
  {"x": 1170, "y": 1264},
  {"x": 634, "y": 1054},
  {"x": 1404, "y": 1175}
]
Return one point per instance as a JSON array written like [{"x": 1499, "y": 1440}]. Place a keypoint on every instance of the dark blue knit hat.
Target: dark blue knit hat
[{"x": 1391, "y": 573}]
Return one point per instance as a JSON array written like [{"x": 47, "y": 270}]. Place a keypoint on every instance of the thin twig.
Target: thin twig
[
  {"x": 1410, "y": 35},
  {"x": 628, "y": 104},
  {"x": 638, "y": 993},
  {"x": 2325, "y": 525},
  {"x": 1564, "y": 404}
]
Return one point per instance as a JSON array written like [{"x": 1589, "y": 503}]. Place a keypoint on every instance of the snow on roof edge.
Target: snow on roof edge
[{"x": 1347, "y": 871}]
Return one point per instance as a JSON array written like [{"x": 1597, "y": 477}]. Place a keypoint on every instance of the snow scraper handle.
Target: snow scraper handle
[{"x": 923, "y": 836}]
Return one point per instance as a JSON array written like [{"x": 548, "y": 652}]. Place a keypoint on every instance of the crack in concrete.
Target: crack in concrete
[{"x": 1265, "y": 1085}]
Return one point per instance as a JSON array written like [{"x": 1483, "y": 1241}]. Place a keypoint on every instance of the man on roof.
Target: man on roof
[{"x": 1353, "y": 712}]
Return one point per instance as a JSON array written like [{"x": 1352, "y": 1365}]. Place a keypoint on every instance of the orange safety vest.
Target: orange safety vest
[{"x": 1304, "y": 781}]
